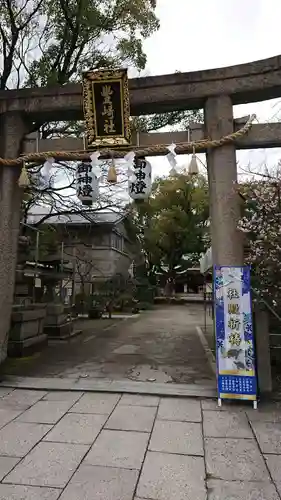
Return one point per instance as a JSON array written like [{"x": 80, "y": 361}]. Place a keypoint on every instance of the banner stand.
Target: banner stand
[{"x": 235, "y": 349}]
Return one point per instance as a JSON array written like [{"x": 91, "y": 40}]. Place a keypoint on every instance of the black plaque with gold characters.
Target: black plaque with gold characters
[{"x": 106, "y": 108}]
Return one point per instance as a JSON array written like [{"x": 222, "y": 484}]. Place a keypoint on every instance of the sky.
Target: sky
[{"x": 205, "y": 34}]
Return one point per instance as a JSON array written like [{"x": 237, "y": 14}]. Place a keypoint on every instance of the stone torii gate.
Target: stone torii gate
[{"x": 216, "y": 91}]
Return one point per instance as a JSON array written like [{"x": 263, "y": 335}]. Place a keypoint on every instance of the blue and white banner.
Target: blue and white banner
[{"x": 236, "y": 375}]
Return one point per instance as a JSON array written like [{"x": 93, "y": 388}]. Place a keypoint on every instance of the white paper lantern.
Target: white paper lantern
[
  {"x": 87, "y": 183},
  {"x": 140, "y": 179}
]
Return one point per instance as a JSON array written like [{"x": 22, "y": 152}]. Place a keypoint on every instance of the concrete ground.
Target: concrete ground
[
  {"x": 161, "y": 345},
  {"x": 101, "y": 446}
]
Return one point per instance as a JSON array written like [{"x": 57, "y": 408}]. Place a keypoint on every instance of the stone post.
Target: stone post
[
  {"x": 227, "y": 241},
  {"x": 263, "y": 350},
  {"x": 225, "y": 204},
  {"x": 12, "y": 131}
]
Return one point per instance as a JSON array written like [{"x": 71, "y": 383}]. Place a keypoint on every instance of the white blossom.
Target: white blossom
[{"x": 261, "y": 223}]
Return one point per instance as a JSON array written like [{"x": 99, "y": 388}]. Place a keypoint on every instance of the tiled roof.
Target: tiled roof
[{"x": 86, "y": 217}]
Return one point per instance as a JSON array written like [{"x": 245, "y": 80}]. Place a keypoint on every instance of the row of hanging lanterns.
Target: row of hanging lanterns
[{"x": 88, "y": 175}]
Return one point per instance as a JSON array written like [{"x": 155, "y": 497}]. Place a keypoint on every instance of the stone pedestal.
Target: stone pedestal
[
  {"x": 225, "y": 205},
  {"x": 58, "y": 325},
  {"x": 26, "y": 334}
]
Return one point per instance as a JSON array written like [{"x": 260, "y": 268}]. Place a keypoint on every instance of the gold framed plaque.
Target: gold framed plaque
[{"x": 106, "y": 108}]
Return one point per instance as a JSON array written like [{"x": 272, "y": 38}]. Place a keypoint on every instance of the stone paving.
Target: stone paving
[
  {"x": 101, "y": 446},
  {"x": 161, "y": 345}
]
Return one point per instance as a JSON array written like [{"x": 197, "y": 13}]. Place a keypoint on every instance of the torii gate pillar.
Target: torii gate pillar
[
  {"x": 227, "y": 241},
  {"x": 12, "y": 130}
]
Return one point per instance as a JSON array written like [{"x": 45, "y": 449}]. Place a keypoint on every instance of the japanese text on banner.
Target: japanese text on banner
[{"x": 234, "y": 333}]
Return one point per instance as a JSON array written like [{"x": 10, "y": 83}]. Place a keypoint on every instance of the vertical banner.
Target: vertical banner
[
  {"x": 236, "y": 376},
  {"x": 106, "y": 108}
]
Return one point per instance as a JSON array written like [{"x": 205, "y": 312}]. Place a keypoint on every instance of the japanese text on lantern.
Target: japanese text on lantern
[
  {"x": 233, "y": 317},
  {"x": 139, "y": 184},
  {"x": 108, "y": 111},
  {"x": 84, "y": 180}
]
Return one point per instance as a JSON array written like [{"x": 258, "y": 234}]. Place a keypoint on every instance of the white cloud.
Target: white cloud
[{"x": 204, "y": 34}]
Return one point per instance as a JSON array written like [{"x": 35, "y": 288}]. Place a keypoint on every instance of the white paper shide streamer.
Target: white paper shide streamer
[
  {"x": 129, "y": 159},
  {"x": 46, "y": 171},
  {"x": 171, "y": 157},
  {"x": 46, "y": 178},
  {"x": 140, "y": 179},
  {"x": 87, "y": 180}
]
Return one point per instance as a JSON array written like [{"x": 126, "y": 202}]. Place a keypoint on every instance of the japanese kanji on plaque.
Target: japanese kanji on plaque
[
  {"x": 106, "y": 108},
  {"x": 236, "y": 374}
]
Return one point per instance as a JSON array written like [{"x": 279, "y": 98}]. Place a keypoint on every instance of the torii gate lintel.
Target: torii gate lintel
[{"x": 250, "y": 82}]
